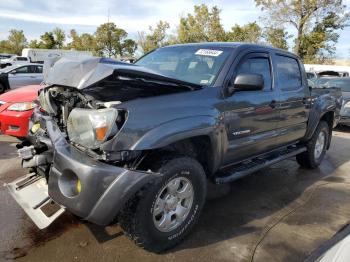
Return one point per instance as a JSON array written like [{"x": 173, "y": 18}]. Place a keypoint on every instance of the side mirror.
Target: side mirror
[
  {"x": 247, "y": 82},
  {"x": 13, "y": 72}
]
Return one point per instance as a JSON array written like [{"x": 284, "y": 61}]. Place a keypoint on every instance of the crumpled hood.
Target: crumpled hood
[{"x": 83, "y": 72}]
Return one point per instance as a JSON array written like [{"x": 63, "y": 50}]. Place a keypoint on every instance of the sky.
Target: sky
[{"x": 35, "y": 17}]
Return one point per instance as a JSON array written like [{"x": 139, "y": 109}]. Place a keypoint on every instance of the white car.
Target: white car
[
  {"x": 14, "y": 60},
  {"x": 20, "y": 75}
]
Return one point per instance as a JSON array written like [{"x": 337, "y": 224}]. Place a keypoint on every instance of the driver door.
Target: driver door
[{"x": 251, "y": 116}]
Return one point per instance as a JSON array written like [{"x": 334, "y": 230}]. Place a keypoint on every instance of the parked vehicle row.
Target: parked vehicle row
[{"x": 138, "y": 143}]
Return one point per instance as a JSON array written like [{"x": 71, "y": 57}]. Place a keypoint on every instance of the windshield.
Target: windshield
[
  {"x": 192, "y": 64},
  {"x": 343, "y": 84}
]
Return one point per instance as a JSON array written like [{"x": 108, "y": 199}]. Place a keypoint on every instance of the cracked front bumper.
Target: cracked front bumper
[{"x": 104, "y": 188}]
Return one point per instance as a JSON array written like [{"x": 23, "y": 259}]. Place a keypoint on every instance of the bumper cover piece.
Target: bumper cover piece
[
  {"x": 31, "y": 193},
  {"x": 105, "y": 188}
]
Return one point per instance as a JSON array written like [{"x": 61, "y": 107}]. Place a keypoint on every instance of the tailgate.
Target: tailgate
[{"x": 31, "y": 193}]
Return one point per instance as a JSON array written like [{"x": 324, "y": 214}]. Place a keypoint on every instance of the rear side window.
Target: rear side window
[
  {"x": 288, "y": 72},
  {"x": 21, "y": 59},
  {"x": 38, "y": 69},
  {"x": 259, "y": 65}
]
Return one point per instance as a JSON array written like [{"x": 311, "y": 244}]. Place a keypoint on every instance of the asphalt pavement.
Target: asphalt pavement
[{"x": 281, "y": 213}]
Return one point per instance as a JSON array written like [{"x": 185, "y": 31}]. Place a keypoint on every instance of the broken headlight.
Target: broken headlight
[
  {"x": 46, "y": 102},
  {"x": 90, "y": 127}
]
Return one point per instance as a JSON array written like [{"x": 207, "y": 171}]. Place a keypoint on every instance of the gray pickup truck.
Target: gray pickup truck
[{"x": 137, "y": 144}]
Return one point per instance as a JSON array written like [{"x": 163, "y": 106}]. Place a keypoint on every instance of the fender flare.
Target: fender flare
[
  {"x": 314, "y": 120},
  {"x": 185, "y": 128}
]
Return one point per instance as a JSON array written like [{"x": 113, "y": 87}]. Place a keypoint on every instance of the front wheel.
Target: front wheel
[
  {"x": 165, "y": 211},
  {"x": 316, "y": 147}
]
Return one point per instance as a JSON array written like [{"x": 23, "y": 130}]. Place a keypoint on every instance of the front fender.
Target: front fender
[
  {"x": 176, "y": 130},
  {"x": 185, "y": 128}
]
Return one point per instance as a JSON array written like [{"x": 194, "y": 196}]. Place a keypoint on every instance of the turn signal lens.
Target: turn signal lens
[
  {"x": 78, "y": 186},
  {"x": 35, "y": 128},
  {"x": 101, "y": 133}
]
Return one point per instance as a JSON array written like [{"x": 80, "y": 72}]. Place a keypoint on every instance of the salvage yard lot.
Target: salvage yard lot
[{"x": 281, "y": 213}]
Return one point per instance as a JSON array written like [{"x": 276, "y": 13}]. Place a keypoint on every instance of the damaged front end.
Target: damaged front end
[{"x": 68, "y": 167}]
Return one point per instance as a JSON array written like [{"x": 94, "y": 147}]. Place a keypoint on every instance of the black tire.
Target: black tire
[
  {"x": 308, "y": 159},
  {"x": 2, "y": 88},
  {"x": 137, "y": 218}
]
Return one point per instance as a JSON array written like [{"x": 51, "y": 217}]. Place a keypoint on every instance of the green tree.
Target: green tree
[
  {"x": 303, "y": 16},
  {"x": 112, "y": 41},
  {"x": 157, "y": 37},
  {"x": 15, "y": 42},
  {"x": 250, "y": 32},
  {"x": 129, "y": 47},
  {"x": 277, "y": 37},
  {"x": 202, "y": 26},
  {"x": 318, "y": 46},
  {"x": 83, "y": 42},
  {"x": 34, "y": 44},
  {"x": 47, "y": 41},
  {"x": 4, "y": 46},
  {"x": 76, "y": 42},
  {"x": 59, "y": 37}
]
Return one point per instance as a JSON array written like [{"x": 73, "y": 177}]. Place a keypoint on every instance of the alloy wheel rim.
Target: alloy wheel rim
[
  {"x": 173, "y": 204},
  {"x": 319, "y": 146}
]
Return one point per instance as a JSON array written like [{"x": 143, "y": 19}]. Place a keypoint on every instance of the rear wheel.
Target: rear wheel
[
  {"x": 316, "y": 147},
  {"x": 165, "y": 211}
]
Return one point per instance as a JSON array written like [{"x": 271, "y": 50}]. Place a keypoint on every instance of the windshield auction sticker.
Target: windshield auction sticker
[{"x": 209, "y": 52}]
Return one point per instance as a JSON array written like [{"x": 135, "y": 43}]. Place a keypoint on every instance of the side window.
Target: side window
[
  {"x": 257, "y": 65},
  {"x": 38, "y": 69},
  {"x": 22, "y": 70},
  {"x": 22, "y": 59},
  {"x": 288, "y": 72}
]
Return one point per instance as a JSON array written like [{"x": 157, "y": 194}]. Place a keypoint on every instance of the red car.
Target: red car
[{"x": 16, "y": 108}]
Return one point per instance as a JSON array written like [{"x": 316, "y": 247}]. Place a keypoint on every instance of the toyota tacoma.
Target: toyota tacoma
[{"x": 137, "y": 143}]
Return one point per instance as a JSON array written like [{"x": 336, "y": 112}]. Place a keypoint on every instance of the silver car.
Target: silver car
[{"x": 20, "y": 75}]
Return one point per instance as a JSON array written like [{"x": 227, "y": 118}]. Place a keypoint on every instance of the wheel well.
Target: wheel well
[
  {"x": 199, "y": 148},
  {"x": 329, "y": 119}
]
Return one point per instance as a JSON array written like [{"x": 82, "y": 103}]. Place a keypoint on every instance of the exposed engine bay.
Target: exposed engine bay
[{"x": 58, "y": 102}]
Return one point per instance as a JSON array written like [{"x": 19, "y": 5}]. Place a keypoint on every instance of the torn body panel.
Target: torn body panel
[{"x": 103, "y": 188}]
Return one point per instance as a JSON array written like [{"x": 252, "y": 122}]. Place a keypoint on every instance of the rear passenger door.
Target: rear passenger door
[
  {"x": 251, "y": 116},
  {"x": 293, "y": 98}
]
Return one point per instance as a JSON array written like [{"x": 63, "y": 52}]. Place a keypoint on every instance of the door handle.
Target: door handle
[{"x": 273, "y": 104}]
